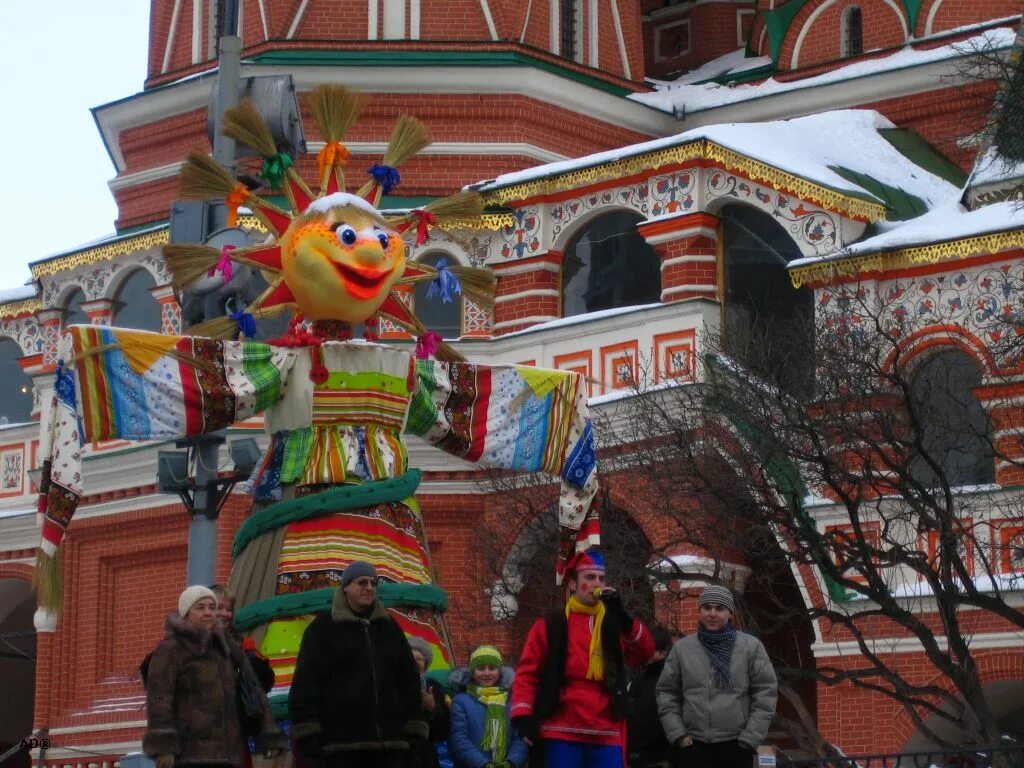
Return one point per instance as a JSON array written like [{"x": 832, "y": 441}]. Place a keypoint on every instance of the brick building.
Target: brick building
[{"x": 581, "y": 122}]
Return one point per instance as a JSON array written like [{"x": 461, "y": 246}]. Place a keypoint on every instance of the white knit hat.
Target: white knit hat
[{"x": 191, "y": 596}]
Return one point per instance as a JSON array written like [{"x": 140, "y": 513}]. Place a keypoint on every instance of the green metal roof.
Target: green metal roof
[
  {"x": 901, "y": 205},
  {"x": 477, "y": 59}
]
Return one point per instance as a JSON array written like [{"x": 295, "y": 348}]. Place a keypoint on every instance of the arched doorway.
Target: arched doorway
[
  {"x": 134, "y": 305},
  {"x": 769, "y": 324},
  {"x": 437, "y": 315},
  {"x": 17, "y": 668},
  {"x": 607, "y": 265},
  {"x": 73, "y": 312},
  {"x": 520, "y": 577},
  {"x": 15, "y": 386}
]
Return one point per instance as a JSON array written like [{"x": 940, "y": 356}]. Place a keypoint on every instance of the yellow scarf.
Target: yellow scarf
[{"x": 595, "y": 669}]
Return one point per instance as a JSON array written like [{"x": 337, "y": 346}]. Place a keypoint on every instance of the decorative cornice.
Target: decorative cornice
[
  {"x": 700, "y": 150},
  {"x": 492, "y": 221},
  {"x": 837, "y": 268},
  {"x": 22, "y": 307},
  {"x": 119, "y": 247}
]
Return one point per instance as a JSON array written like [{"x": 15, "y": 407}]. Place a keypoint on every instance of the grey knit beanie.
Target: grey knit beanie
[
  {"x": 421, "y": 645},
  {"x": 713, "y": 593},
  {"x": 357, "y": 570}
]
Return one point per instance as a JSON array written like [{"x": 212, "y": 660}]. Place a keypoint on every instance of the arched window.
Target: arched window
[
  {"x": 436, "y": 315},
  {"x": 15, "y": 386},
  {"x": 73, "y": 312},
  {"x": 571, "y": 30},
  {"x": 769, "y": 324},
  {"x": 955, "y": 430},
  {"x": 608, "y": 264},
  {"x": 134, "y": 306},
  {"x": 852, "y": 30}
]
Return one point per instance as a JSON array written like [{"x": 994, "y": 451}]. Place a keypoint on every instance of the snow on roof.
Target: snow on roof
[
  {"x": 683, "y": 95},
  {"x": 804, "y": 146},
  {"x": 20, "y": 293},
  {"x": 729, "y": 64},
  {"x": 946, "y": 223},
  {"x": 993, "y": 168}
]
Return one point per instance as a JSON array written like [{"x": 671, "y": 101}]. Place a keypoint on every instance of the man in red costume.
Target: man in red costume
[{"x": 570, "y": 685}]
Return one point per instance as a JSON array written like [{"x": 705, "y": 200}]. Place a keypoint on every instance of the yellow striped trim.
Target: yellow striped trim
[
  {"x": 22, "y": 307},
  {"x": 701, "y": 149},
  {"x": 933, "y": 253}
]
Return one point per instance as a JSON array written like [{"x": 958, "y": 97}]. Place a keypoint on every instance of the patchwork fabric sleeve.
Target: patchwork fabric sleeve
[
  {"x": 518, "y": 418},
  {"x": 113, "y": 383}
]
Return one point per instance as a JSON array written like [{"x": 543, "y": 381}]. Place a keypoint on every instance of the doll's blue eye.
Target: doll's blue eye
[
  {"x": 384, "y": 240},
  {"x": 346, "y": 235}
]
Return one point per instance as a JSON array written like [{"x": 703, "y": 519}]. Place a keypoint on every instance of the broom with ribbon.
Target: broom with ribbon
[
  {"x": 334, "y": 108},
  {"x": 408, "y": 137}
]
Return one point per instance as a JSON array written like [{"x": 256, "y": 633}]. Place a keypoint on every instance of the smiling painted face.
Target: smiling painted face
[{"x": 340, "y": 260}]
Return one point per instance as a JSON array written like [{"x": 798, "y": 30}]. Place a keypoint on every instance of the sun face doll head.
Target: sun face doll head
[{"x": 340, "y": 259}]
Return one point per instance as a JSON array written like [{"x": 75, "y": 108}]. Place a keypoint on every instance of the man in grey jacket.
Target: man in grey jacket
[{"x": 716, "y": 695}]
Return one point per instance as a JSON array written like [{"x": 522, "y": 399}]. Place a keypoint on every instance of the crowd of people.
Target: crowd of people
[{"x": 593, "y": 688}]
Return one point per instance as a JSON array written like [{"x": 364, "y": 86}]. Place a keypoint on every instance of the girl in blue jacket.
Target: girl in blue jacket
[{"x": 482, "y": 735}]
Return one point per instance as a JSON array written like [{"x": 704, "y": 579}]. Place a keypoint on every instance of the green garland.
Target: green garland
[
  {"x": 319, "y": 601},
  {"x": 341, "y": 499}
]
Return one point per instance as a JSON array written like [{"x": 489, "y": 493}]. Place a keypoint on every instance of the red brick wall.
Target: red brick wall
[
  {"x": 712, "y": 34},
  {"x": 462, "y": 117},
  {"x": 882, "y": 27},
  {"x": 943, "y": 117},
  {"x": 950, "y": 14}
]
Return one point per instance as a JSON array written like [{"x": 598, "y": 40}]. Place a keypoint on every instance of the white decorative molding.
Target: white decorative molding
[
  {"x": 372, "y": 19},
  {"x": 621, "y": 40},
  {"x": 524, "y": 294},
  {"x": 594, "y": 33},
  {"x": 145, "y": 177},
  {"x": 197, "y": 32},
  {"x": 688, "y": 288},
  {"x": 414, "y": 19},
  {"x": 533, "y": 319},
  {"x": 489, "y": 19},
  {"x": 695, "y": 258},
  {"x": 794, "y": 61},
  {"x": 518, "y": 269},
  {"x": 985, "y": 641},
  {"x": 297, "y": 19},
  {"x": 171, "y": 32},
  {"x": 663, "y": 237},
  {"x": 263, "y": 20},
  {"x": 454, "y": 148}
]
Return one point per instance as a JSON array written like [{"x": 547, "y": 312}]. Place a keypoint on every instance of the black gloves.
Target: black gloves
[
  {"x": 527, "y": 727},
  {"x": 613, "y": 605},
  {"x": 310, "y": 747}
]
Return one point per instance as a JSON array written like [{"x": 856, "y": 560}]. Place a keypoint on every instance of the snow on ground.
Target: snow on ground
[
  {"x": 947, "y": 222},
  {"x": 803, "y": 146},
  {"x": 683, "y": 95}
]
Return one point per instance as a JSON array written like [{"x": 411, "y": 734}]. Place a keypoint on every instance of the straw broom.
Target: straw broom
[
  {"x": 408, "y": 137},
  {"x": 335, "y": 108}
]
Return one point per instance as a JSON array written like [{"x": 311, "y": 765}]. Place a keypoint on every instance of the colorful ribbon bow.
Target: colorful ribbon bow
[
  {"x": 246, "y": 323},
  {"x": 387, "y": 177},
  {"x": 275, "y": 167},
  {"x": 224, "y": 266},
  {"x": 234, "y": 201},
  {"x": 445, "y": 284},
  {"x": 424, "y": 220},
  {"x": 334, "y": 153},
  {"x": 426, "y": 345}
]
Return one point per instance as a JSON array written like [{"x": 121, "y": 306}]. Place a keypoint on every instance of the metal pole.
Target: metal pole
[{"x": 202, "y": 531}]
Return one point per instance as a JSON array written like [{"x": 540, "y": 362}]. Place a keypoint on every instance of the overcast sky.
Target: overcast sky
[{"x": 58, "y": 59}]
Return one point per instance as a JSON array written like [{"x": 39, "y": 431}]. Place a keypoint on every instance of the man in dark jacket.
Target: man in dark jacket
[
  {"x": 647, "y": 745},
  {"x": 355, "y": 696}
]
